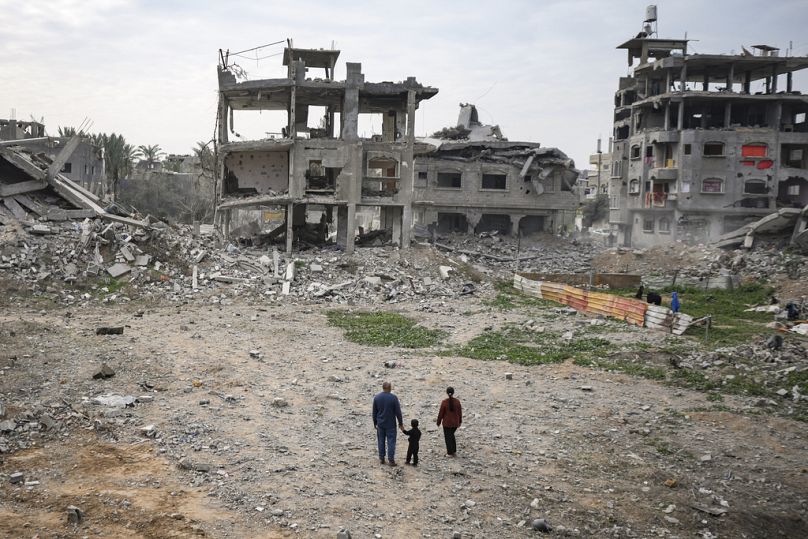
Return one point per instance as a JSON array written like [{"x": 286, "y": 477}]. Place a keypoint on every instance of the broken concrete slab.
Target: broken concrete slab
[
  {"x": 119, "y": 269},
  {"x": 142, "y": 260}
]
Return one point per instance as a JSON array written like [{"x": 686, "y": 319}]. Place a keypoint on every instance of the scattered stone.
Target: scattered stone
[
  {"x": 535, "y": 503},
  {"x": 782, "y": 392},
  {"x": 541, "y": 525},
  {"x": 2, "y": 410},
  {"x": 16, "y": 477},
  {"x": 104, "y": 372},
  {"x": 671, "y": 483},
  {"x": 586, "y": 388},
  {"x": 706, "y": 458},
  {"x": 469, "y": 503},
  {"x": 114, "y": 401},
  {"x": 7, "y": 426},
  {"x": 774, "y": 342},
  {"x": 390, "y": 364},
  {"x": 144, "y": 399},
  {"x": 149, "y": 431},
  {"x": 279, "y": 402},
  {"x": 670, "y": 509},
  {"x": 186, "y": 464},
  {"x": 109, "y": 330},
  {"x": 47, "y": 422},
  {"x": 255, "y": 354},
  {"x": 445, "y": 271},
  {"x": 457, "y": 535},
  {"x": 509, "y": 376},
  {"x": 74, "y": 515},
  {"x": 342, "y": 534},
  {"x": 671, "y": 520},
  {"x": 204, "y": 402},
  {"x": 315, "y": 268}
]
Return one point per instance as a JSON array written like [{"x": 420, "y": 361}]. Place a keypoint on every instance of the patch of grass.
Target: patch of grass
[
  {"x": 522, "y": 346},
  {"x": 662, "y": 447},
  {"x": 626, "y": 367},
  {"x": 715, "y": 397},
  {"x": 384, "y": 329},
  {"x": 693, "y": 380},
  {"x": 730, "y": 323}
]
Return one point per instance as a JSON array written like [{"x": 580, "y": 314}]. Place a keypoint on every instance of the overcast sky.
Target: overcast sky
[{"x": 544, "y": 70}]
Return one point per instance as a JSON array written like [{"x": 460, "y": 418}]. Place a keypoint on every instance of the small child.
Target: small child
[{"x": 415, "y": 437}]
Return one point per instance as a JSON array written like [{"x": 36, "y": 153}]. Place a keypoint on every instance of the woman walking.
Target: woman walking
[{"x": 451, "y": 415}]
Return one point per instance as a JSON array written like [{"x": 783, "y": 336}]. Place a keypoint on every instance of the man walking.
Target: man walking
[{"x": 386, "y": 411}]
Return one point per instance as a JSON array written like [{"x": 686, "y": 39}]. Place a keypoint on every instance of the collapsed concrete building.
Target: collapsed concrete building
[
  {"x": 84, "y": 165},
  {"x": 470, "y": 178},
  {"x": 322, "y": 164},
  {"x": 704, "y": 143}
]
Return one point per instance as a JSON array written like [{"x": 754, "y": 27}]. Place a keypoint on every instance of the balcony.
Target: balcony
[
  {"x": 656, "y": 200},
  {"x": 664, "y": 174}
]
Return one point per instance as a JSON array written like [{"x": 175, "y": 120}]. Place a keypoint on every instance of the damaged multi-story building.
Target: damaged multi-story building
[
  {"x": 85, "y": 162},
  {"x": 317, "y": 160},
  {"x": 470, "y": 178},
  {"x": 704, "y": 143}
]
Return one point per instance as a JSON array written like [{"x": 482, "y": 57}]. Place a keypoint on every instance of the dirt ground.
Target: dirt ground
[{"x": 594, "y": 461}]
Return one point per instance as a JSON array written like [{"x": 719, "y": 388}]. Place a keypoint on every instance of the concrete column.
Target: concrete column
[
  {"x": 683, "y": 77},
  {"x": 705, "y": 84},
  {"x": 350, "y": 105},
  {"x": 667, "y": 81},
  {"x": 789, "y": 84},
  {"x": 473, "y": 219},
  {"x": 730, "y": 77},
  {"x": 667, "y": 124},
  {"x": 515, "y": 220},
  {"x": 680, "y": 117},
  {"x": 747, "y": 82},
  {"x": 223, "y": 118},
  {"x": 727, "y": 113},
  {"x": 290, "y": 227},
  {"x": 346, "y": 227},
  {"x": 774, "y": 79},
  {"x": 406, "y": 225}
]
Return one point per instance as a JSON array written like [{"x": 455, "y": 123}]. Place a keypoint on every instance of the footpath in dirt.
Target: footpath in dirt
[{"x": 244, "y": 418}]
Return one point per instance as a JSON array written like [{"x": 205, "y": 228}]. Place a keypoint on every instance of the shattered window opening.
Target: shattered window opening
[
  {"x": 755, "y": 187},
  {"x": 713, "y": 149},
  {"x": 494, "y": 181},
  {"x": 450, "y": 180}
]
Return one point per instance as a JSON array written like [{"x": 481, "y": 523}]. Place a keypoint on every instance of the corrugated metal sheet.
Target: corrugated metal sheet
[{"x": 632, "y": 311}]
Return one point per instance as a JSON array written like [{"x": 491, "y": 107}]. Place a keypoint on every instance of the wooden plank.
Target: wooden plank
[
  {"x": 11, "y": 189},
  {"x": 15, "y": 208}
]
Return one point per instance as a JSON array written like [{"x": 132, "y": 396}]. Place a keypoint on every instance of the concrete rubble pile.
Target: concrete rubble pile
[
  {"x": 705, "y": 266},
  {"x": 496, "y": 254}
]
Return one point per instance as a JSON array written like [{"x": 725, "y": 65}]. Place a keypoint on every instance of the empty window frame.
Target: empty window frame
[
  {"x": 648, "y": 225},
  {"x": 794, "y": 190},
  {"x": 450, "y": 180},
  {"x": 755, "y": 187},
  {"x": 634, "y": 187},
  {"x": 664, "y": 225},
  {"x": 617, "y": 169},
  {"x": 713, "y": 149},
  {"x": 688, "y": 149},
  {"x": 712, "y": 185},
  {"x": 382, "y": 167},
  {"x": 494, "y": 181},
  {"x": 635, "y": 152},
  {"x": 420, "y": 179},
  {"x": 67, "y": 169}
]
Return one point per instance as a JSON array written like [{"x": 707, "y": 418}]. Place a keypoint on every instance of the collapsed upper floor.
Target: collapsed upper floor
[{"x": 315, "y": 104}]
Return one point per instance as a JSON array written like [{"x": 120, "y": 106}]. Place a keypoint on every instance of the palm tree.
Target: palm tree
[
  {"x": 150, "y": 154},
  {"x": 205, "y": 156},
  {"x": 118, "y": 158},
  {"x": 68, "y": 131}
]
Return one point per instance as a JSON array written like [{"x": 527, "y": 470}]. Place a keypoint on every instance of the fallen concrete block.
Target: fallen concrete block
[
  {"x": 74, "y": 515},
  {"x": 116, "y": 270},
  {"x": 445, "y": 271},
  {"x": 126, "y": 253},
  {"x": 142, "y": 260}
]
